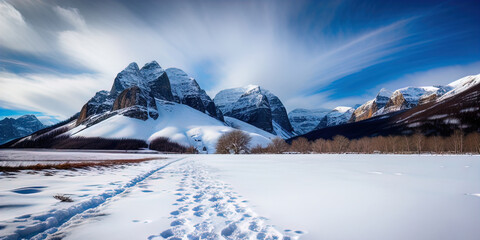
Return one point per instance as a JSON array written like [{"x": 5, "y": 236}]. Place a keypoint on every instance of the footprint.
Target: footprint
[
  {"x": 226, "y": 232},
  {"x": 178, "y": 222},
  {"x": 167, "y": 233}
]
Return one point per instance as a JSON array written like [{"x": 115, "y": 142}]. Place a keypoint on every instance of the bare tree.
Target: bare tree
[
  {"x": 418, "y": 140},
  {"x": 407, "y": 142},
  {"x": 278, "y": 145},
  {"x": 457, "y": 138},
  {"x": 340, "y": 143},
  {"x": 300, "y": 145},
  {"x": 319, "y": 146},
  {"x": 234, "y": 142},
  {"x": 258, "y": 149}
]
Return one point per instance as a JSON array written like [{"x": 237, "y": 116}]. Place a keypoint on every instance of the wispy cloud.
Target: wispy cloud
[{"x": 279, "y": 45}]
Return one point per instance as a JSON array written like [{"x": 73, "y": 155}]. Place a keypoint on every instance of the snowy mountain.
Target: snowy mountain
[
  {"x": 178, "y": 122},
  {"x": 368, "y": 109},
  {"x": 337, "y": 116},
  {"x": 186, "y": 91},
  {"x": 148, "y": 103},
  {"x": 257, "y": 106},
  {"x": 440, "y": 116},
  {"x": 305, "y": 120},
  {"x": 410, "y": 97},
  {"x": 11, "y": 128}
]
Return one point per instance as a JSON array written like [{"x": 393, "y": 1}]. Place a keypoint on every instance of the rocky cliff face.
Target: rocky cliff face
[
  {"x": 279, "y": 113},
  {"x": 185, "y": 90},
  {"x": 368, "y": 109},
  {"x": 132, "y": 88},
  {"x": 305, "y": 120},
  {"x": 11, "y": 128},
  {"x": 337, "y": 116},
  {"x": 256, "y": 106},
  {"x": 134, "y": 98},
  {"x": 401, "y": 99}
]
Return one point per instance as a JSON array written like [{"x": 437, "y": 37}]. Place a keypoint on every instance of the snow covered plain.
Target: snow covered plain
[{"x": 251, "y": 197}]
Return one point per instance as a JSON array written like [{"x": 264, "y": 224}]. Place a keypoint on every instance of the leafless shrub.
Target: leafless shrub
[
  {"x": 300, "y": 145},
  {"x": 234, "y": 142},
  {"x": 278, "y": 145},
  {"x": 164, "y": 144},
  {"x": 258, "y": 149},
  {"x": 63, "y": 198}
]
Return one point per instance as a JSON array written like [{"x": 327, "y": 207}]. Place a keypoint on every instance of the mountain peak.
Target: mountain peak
[
  {"x": 384, "y": 93},
  {"x": 131, "y": 67},
  {"x": 151, "y": 71}
]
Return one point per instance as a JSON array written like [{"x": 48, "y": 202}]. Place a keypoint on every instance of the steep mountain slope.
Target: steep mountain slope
[
  {"x": 305, "y": 120},
  {"x": 141, "y": 106},
  {"x": 337, "y": 116},
  {"x": 256, "y": 106},
  {"x": 178, "y": 122},
  {"x": 409, "y": 97},
  {"x": 457, "y": 109},
  {"x": 370, "y": 108},
  {"x": 11, "y": 128},
  {"x": 186, "y": 91}
]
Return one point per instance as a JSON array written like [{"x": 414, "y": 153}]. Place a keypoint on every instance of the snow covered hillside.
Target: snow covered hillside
[
  {"x": 372, "y": 197},
  {"x": 178, "y": 122}
]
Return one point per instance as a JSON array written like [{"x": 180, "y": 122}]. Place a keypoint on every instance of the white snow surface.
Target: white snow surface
[
  {"x": 461, "y": 85},
  {"x": 179, "y": 123},
  {"x": 252, "y": 197}
]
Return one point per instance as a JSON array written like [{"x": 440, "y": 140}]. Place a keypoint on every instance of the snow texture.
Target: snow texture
[{"x": 252, "y": 197}]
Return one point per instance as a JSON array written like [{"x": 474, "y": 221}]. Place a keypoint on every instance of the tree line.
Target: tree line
[{"x": 456, "y": 143}]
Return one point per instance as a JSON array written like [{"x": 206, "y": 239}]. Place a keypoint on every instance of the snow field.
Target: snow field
[{"x": 331, "y": 196}]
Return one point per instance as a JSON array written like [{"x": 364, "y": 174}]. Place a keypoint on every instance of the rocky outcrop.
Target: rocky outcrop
[
  {"x": 427, "y": 98},
  {"x": 279, "y": 113},
  {"x": 100, "y": 103},
  {"x": 305, "y": 120},
  {"x": 370, "y": 108},
  {"x": 337, "y": 116},
  {"x": 157, "y": 81},
  {"x": 151, "y": 79},
  {"x": 185, "y": 90},
  {"x": 256, "y": 106},
  {"x": 134, "y": 99},
  {"x": 11, "y": 128},
  {"x": 365, "y": 111}
]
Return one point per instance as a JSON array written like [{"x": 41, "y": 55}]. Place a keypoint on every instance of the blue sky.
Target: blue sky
[{"x": 54, "y": 55}]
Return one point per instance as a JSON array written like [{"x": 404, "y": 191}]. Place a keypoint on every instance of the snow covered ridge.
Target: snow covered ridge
[
  {"x": 337, "y": 116},
  {"x": 305, "y": 120},
  {"x": 257, "y": 106},
  {"x": 11, "y": 128},
  {"x": 409, "y": 97}
]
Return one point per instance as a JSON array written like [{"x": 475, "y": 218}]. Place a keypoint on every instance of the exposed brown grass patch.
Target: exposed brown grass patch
[{"x": 69, "y": 165}]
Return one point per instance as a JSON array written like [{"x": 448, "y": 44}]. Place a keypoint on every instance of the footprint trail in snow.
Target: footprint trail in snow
[{"x": 210, "y": 209}]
